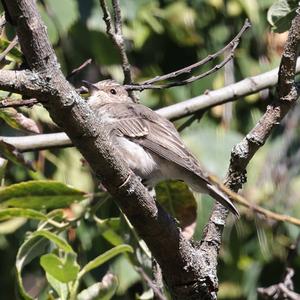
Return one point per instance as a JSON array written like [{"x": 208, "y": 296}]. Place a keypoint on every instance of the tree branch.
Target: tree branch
[
  {"x": 23, "y": 82},
  {"x": 230, "y": 47},
  {"x": 12, "y": 45},
  {"x": 116, "y": 35},
  {"x": 243, "y": 152},
  {"x": 181, "y": 264},
  {"x": 173, "y": 112}
]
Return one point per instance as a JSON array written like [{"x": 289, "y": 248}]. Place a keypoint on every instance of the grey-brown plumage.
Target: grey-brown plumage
[{"x": 149, "y": 143}]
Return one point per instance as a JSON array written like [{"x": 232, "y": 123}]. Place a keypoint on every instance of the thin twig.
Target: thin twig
[
  {"x": 151, "y": 284},
  {"x": 282, "y": 290},
  {"x": 148, "y": 84},
  {"x": 116, "y": 35},
  {"x": 254, "y": 207},
  {"x": 12, "y": 45},
  {"x": 80, "y": 68}
]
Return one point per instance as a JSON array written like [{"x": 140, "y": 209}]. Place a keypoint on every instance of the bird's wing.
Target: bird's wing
[{"x": 145, "y": 127}]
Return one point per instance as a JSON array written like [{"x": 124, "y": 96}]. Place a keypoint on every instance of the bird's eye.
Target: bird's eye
[{"x": 113, "y": 91}]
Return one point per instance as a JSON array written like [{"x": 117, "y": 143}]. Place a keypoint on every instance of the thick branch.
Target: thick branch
[
  {"x": 243, "y": 152},
  {"x": 181, "y": 264},
  {"x": 23, "y": 82}
]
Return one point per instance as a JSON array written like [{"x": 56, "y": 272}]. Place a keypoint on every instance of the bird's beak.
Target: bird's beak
[{"x": 91, "y": 87}]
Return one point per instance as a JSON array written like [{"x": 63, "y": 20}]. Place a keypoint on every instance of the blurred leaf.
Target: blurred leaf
[
  {"x": 101, "y": 259},
  {"x": 281, "y": 14},
  {"x": 181, "y": 19},
  {"x": 10, "y": 226},
  {"x": 18, "y": 121},
  {"x": 3, "y": 164},
  {"x": 12, "y": 154},
  {"x": 63, "y": 13},
  {"x": 63, "y": 269},
  {"x": 127, "y": 275},
  {"x": 60, "y": 288},
  {"x": 15, "y": 54},
  {"x": 57, "y": 240},
  {"x": 74, "y": 174},
  {"x": 177, "y": 199},
  {"x": 51, "y": 29},
  {"x": 109, "y": 230},
  {"x": 31, "y": 248},
  {"x": 8, "y": 213},
  {"x": 40, "y": 195},
  {"x": 147, "y": 295},
  {"x": 103, "y": 290}
]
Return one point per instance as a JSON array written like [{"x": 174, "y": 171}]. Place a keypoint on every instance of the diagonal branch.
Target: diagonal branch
[
  {"x": 12, "y": 45},
  {"x": 181, "y": 264},
  {"x": 230, "y": 47},
  {"x": 243, "y": 152},
  {"x": 23, "y": 82}
]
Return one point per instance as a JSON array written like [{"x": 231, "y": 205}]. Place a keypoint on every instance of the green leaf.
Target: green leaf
[
  {"x": 34, "y": 246},
  {"x": 281, "y": 14},
  {"x": 3, "y": 164},
  {"x": 101, "y": 259},
  {"x": 177, "y": 199},
  {"x": 109, "y": 230},
  {"x": 58, "y": 241},
  {"x": 40, "y": 194},
  {"x": 18, "y": 121},
  {"x": 15, "y": 54},
  {"x": 10, "y": 226},
  {"x": 12, "y": 154},
  {"x": 63, "y": 269},
  {"x": 64, "y": 13},
  {"x": 31, "y": 248},
  {"x": 8, "y": 213},
  {"x": 51, "y": 29},
  {"x": 103, "y": 290},
  {"x": 60, "y": 288}
]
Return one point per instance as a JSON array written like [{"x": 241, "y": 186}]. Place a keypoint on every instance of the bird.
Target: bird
[{"x": 148, "y": 142}]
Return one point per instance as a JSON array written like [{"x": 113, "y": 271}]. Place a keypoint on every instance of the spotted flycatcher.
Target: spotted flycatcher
[{"x": 149, "y": 143}]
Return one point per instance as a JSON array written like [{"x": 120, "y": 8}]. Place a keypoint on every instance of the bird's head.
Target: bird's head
[{"x": 107, "y": 91}]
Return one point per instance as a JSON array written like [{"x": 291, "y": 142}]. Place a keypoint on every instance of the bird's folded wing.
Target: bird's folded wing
[{"x": 157, "y": 134}]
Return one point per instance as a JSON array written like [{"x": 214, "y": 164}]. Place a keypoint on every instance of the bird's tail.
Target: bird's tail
[{"x": 222, "y": 198}]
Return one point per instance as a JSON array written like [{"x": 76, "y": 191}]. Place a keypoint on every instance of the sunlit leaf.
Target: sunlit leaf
[
  {"x": 281, "y": 14},
  {"x": 101, "y": 259},
  {"x": 17, "y": 120},
  {"x": 8, "y": 213},
  {"x": 103, "y": 290},
  {"x": 3, "y": 164},
  {"x": 12, "y": 154},
  {"x": 63, "y": 269},
  {"x": 57, "y": 240},
  {"x": 60, "y": 288},
  {"x": 109, "y": 230},
  {"x": 64, "y": 13},
  {"x": 40, "y": 195},
  {"x": 15, "y": 54}
]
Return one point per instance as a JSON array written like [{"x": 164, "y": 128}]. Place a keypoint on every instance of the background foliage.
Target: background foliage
[{"x": 79, "y": 227}]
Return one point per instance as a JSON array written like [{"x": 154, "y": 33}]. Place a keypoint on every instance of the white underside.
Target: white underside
[{"x": 151, "y": 167}]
